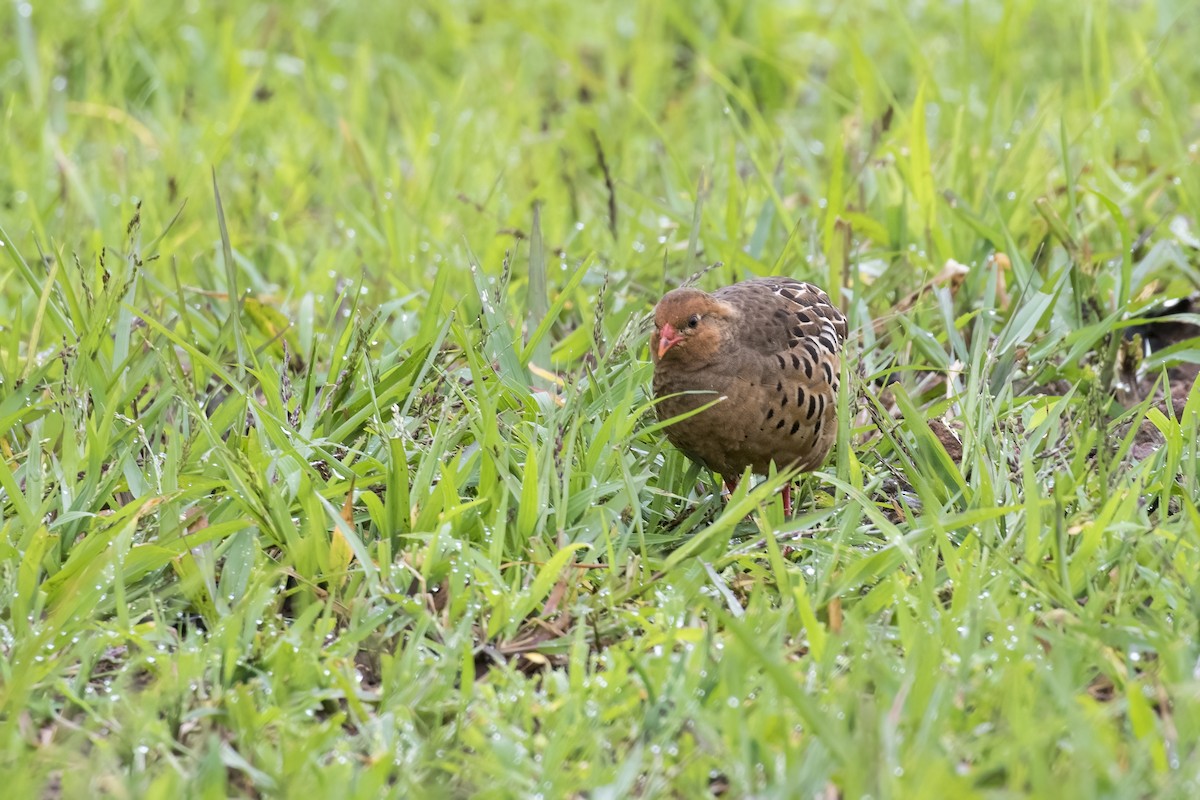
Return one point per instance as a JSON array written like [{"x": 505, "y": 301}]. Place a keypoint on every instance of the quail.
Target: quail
[{"x": 768, "y": 351}]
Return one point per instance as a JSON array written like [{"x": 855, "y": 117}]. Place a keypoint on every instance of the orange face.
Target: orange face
[{"x": 686, "y": 321}]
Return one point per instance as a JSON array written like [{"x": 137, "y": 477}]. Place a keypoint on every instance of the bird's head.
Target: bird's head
[{"x": 688, "y": 324}]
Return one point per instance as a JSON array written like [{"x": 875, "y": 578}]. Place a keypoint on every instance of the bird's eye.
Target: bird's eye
[{"x": 693, "y": 320}]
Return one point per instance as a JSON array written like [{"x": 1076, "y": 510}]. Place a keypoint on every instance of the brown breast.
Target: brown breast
[{"x": 777, "y": 371}]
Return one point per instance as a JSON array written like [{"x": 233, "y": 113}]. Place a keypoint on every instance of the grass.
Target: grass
[{"x": 327, "y": 464}]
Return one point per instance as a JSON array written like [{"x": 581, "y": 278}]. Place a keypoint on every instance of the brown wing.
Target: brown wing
[
  {"x": 780, "y": 315},
  {"x": 794, "y": 335}
]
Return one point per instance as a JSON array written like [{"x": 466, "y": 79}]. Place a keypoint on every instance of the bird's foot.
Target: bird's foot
[{"x": 731, "y": 485}]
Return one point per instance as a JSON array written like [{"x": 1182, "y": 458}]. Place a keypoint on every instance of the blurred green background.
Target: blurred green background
[{"x": 380, "y": 139}]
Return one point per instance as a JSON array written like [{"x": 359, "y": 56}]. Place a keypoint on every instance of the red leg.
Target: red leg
[{"x": 787, "y": 499}]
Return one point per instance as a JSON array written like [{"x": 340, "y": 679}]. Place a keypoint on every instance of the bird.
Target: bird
[{"x": 768, "y": 351}]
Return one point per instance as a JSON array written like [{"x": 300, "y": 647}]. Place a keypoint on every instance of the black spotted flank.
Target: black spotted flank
[
  {"x": 812, "y": 406},
  {"x": 782, "y": 363},
  {"x": 770, "y": 413},
  {"x": 795, "y": 427},
  {"x": 808, "y": 368},
  {"x": 828, "y": 371},
  {"x": 799, "y": 395},
  {"x": 803, "y": 317},
  {"x": 782, "y": 422},
  {"x": 795, "y": 361}
]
